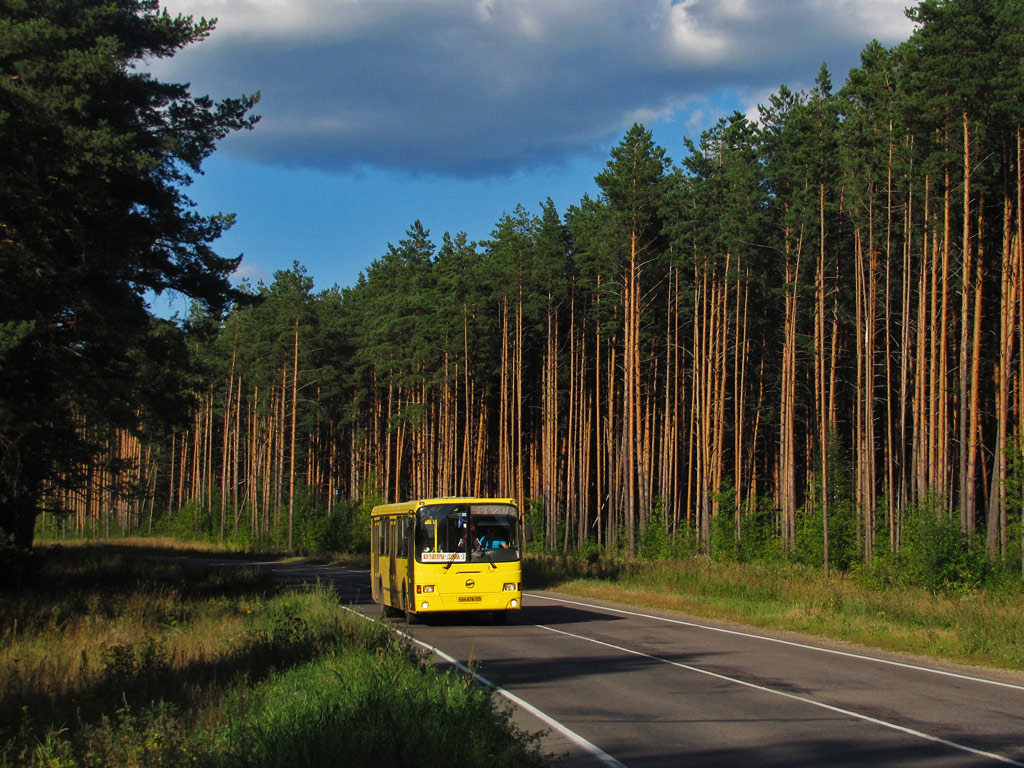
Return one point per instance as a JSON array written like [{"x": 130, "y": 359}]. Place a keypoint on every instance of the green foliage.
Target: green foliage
[
  {"x": 935, "y": 554},
  {"x": 655, "y": 541},
  {"x": 347, "y": 529},
  {"x": 542, "y": 571},
  {"x": 193, "y": 522},
  {"x": 757, "y": 539},
  {"x": 725, "y": 543},
  {"x": 1012, "y": 566},
  {"x": 683, "y": 543},
  {"x": 844, "y": 546},
  {"x": 760, "y": 541},
  {"x": 373, "y": 710},
  {"x": 535, "y": 520},
  {"x": 844, "y": 552},
  {"x": 635, "y": 182},
  {"x": 95, "y": 155},
  {"x": 224, "y": 668},
  {"x": 589, "y": 550},
  {"x": 134, "y": 671}
]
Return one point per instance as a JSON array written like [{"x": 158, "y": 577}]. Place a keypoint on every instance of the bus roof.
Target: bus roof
[{"x": 406, "y": 507}]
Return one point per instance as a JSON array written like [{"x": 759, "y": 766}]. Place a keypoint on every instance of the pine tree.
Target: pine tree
[
  {"x": 95, "y": 157},
  {"x": 634, "y": 183}
]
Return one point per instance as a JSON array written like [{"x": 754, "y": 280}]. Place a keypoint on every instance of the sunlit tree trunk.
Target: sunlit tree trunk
[{"x": 787, "y": 403}]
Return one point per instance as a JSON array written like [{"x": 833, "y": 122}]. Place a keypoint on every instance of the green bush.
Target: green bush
[
  {"x": 534, "y": 517},
  {"x": 934, "y": 553},
  {"x": 844, "y": 550},
  {"x": 190, "y": 523},
  {"x": 844, "y": 547},
  {"x": 760, "y": 541},
  {"x": 654, "y": 541}
]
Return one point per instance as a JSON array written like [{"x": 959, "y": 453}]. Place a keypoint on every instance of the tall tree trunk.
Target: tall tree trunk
[
  {"x": 967, "y": 394},
  {"x": 291, "y": 452},
  {"x": 787, "y": 406},
  {"x": 820, "y": 377}
]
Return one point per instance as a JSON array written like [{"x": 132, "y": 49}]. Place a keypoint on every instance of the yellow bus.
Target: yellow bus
[{"x": 448, "y": 554}]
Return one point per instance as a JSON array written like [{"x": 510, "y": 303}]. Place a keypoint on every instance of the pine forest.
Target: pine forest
[{"x": 802, "y": 339}]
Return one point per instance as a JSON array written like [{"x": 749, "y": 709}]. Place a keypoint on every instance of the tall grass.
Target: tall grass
[
  {"x": 109, "y": 659},
  {"x": 166, "y": 546},
  {"x": 981, "y": 627}
]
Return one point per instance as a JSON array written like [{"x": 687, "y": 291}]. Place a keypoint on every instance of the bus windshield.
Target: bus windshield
[{"x": 457, "y": 533}]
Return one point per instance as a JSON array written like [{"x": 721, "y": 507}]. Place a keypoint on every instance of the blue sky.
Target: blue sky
[{"x": 376, "y": 113}]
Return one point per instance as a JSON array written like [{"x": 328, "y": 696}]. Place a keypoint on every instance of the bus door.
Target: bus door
[
  {"x": 375, "y": 562},
  {"x": 409, "y": 549},
  {"x": 392, "y": 575}
]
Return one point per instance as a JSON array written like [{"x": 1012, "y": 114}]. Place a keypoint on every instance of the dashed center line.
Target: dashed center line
[{"x": 780, "y": 641}]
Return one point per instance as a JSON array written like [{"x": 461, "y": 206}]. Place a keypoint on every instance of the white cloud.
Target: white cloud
[
  {"x": 755, "y": 100},
  {"x": 882, "y": 19},
  {"x": 484, "y": 87},
  {"x": 693, "y": 41},
  {"x": 252, "y": 273},
  {"x": 280, "y": 19}
]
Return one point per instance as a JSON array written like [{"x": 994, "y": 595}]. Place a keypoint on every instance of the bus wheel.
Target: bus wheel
[
  {"x": 500, "y": 617},
  {"x": 410, "y": 617}
]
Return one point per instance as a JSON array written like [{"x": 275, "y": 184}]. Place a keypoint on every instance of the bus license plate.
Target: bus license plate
[{"x": 469, "y": 599}]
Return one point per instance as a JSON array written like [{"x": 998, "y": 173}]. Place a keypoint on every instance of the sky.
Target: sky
[{"x": 379, "y": 113}]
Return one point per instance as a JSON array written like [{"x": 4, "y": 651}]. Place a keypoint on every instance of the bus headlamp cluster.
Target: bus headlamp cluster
[
  {"x": 427, "y": 588},
  {"x": 510, "y": 586}
]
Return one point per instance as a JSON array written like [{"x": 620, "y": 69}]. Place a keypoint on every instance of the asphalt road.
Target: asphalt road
[{"x": 616, "y": 685}]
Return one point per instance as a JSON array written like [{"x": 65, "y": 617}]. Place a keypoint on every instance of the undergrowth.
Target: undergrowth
[{"x": 108, "y": 659}]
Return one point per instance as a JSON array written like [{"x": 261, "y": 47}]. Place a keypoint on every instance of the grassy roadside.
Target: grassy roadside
[
  {"x": 110, "y": 659},
  {"x": 977, "y": 628},
  {"x": 165, "y": 545}
]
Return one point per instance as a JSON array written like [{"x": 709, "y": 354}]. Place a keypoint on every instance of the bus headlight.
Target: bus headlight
[
  {"x": 424, "y": 606},
  {"x": 513, "y": 603},
  {"x": 509, "y": 586},
  {"x": 427, "y": 589}
]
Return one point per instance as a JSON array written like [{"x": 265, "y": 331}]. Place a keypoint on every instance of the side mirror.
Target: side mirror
[{"x": 529, "y": 532}]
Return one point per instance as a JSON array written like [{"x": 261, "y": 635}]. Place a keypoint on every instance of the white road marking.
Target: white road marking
[
  {"x": 570, "y": 734},
  {"x": 802, "y": 699},
  {"x": 848, "y": 654},
  {"x": 607, "y": 759},
  {"x": 590, "y": 747}
]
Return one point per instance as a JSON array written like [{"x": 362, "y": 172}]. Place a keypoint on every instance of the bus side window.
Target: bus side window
[
  {"x": 402, "y": 549},
  {"x": 383, "y": 540}
]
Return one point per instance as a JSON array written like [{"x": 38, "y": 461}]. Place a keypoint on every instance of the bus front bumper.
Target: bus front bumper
[{"x": 497, "y": 601}]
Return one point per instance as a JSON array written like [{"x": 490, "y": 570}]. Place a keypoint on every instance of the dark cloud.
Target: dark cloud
[{"x": 479, "y": 88}]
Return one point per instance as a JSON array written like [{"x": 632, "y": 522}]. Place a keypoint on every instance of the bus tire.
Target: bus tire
[
  {"x": 410, "y": 617},
  {"x": 500, "y": 617}
]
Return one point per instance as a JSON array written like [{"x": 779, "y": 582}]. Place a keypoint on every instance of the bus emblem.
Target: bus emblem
[{"x": 470, "y": 583}]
